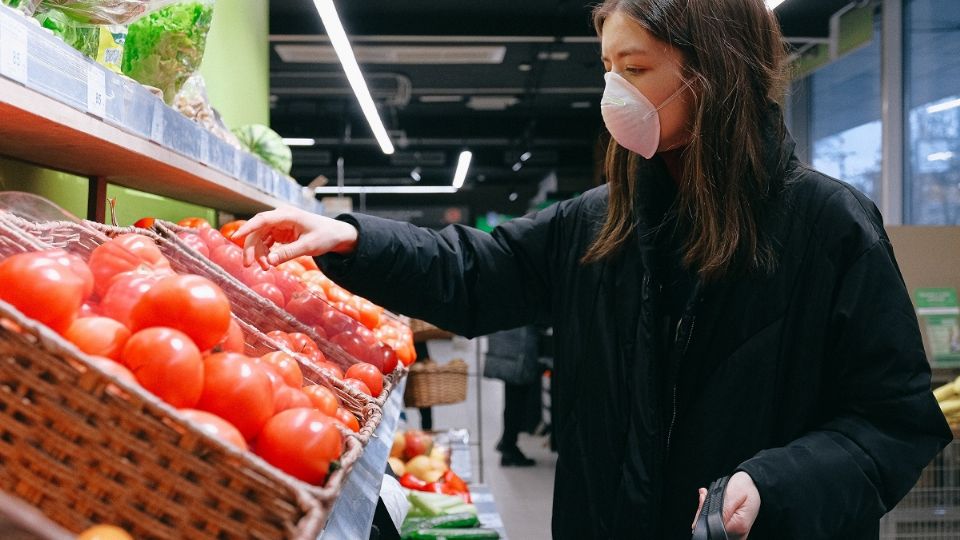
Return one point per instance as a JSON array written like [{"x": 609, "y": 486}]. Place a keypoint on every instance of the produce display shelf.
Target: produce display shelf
[
  {"x": 353, "y": 510},
  {"x": 58, "y": 109},
  {"x": 487, "y": 509}
]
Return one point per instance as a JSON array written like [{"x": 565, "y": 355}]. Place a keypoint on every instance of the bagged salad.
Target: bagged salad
[{"x": 164, "y": 47}]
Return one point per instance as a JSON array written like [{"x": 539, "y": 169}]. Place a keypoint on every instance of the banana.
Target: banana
[
  {"x": 950, "y": 406},
  {"x": 946, "y": 391}
]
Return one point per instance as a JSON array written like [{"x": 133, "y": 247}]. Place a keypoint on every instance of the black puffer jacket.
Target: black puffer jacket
[{"x": 812, "y": 379}]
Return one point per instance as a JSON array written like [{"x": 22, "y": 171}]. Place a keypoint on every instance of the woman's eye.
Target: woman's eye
[{"x": 633, "y": 70}]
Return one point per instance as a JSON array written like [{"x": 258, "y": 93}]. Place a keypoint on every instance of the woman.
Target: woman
[{"x": 719, "y": 308}]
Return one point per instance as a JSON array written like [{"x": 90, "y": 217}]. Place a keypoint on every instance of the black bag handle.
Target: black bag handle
[{"x": 710, "y": 523}]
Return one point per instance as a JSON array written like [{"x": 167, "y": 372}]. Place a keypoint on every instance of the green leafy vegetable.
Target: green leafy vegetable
[
  {"x": 266, "y": 143},
  {"x": 82, "y": 37},
  {"x": 165, "y": 47}
]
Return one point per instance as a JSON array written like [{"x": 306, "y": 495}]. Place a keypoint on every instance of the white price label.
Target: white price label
[
  {"x": 96, "y": 92},
  {"x": 13, "y": 50}
]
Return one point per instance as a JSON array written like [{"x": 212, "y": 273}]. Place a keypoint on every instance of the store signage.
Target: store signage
[
  {"x": 13, "y": 49},
  {"x": 940, "y": 313}
]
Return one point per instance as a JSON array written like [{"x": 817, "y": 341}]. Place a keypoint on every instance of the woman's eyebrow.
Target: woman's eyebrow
[{"x": 632, "y": 51}]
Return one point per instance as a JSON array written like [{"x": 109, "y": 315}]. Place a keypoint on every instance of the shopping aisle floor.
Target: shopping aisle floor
[{"x": 523, "y": 495}]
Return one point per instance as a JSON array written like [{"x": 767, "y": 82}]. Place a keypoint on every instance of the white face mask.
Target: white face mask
[{"x": 630, "y": 118}]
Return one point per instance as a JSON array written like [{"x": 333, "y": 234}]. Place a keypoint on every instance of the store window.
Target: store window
[
  {"x": 932, "y": 92},
  {"x": 845, "y": 126}
]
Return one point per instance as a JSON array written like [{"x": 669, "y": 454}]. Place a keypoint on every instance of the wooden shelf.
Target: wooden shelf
[{"x": 46, "y": 132}]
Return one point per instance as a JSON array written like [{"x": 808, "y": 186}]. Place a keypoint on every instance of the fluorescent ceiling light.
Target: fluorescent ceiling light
[
  {"x": 525, "y": 156},
  {"x": 940, "y": 156},
  {"x": 296, "y": 141},
  {"x": 945, "y": 106},
  {"x": 463, "y": 165},
  {"x": 441, "y": 99},
  {"x": 771, "y": 4},
  {"x": 338, "y": 38},
  {"x": 356, "y": 190}
]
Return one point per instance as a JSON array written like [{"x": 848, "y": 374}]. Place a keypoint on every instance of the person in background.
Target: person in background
[
  {"x": 720, "y": 310},
  {"x": 513, "y": 357}
]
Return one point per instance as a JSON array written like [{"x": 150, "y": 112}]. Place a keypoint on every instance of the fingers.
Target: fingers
[
  {"x": 703, "y": 497},
  {"x": 285, "y": 252},
  {"x": 269, "y": 218}
]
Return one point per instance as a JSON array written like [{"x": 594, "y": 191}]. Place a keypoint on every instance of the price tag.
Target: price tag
[
  {"x": 96, "y": 92},
  {"x": 13, "y": 50}
]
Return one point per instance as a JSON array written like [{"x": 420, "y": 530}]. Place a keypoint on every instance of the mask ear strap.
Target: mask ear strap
[{"x": 673, "y": 96}]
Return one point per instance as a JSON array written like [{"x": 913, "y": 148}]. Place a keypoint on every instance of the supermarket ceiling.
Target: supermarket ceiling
[{"x": 498, "y": 77}]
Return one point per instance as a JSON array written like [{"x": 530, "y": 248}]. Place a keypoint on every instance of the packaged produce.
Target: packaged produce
[
  {"x": 105, "y": 12},
  {"x": 266, "y": 143},
  {"x": 165, "y": 47},
  {"x": 192, "y": 102},
  {"x": 100, "y": 42}
]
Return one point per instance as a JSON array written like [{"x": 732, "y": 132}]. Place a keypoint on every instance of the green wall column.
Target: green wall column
[{"x": 236, "y": 63}]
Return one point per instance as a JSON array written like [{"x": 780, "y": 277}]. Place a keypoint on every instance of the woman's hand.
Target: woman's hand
[
  {"x": 290, "y": 233},
  {"x": 741, "y": 504}
]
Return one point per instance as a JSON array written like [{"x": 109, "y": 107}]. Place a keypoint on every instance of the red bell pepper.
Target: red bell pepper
[
  {"x": 451, "y": 479},
  {"x": 410, "y": 481}
]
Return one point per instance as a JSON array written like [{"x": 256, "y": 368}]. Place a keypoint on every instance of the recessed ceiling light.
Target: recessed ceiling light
[
  {"x": 297, "y": 141},
  {"x": 441, "y": 99},
  {"x": 517, "y": 166},
  {"x": 525, "y": 156},
  {"x": 558, "y": 56},
  {"x": 513, "y": 196},
  {"x": 580, "y": 105},
  {"x": 524, "y": 67}
]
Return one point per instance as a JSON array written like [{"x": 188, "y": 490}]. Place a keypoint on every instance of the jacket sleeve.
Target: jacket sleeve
[
  {"x": 882, "y": 425},
  {"x": 460, "y": 279}
]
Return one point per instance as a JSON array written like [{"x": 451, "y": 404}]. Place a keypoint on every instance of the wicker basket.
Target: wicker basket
[
  {"x": 430, "y": 383},
  {"x": 423, "y": 331},
  {"x": 251, "y": 310}
]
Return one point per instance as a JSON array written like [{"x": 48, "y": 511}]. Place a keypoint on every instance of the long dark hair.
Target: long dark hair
[{"x": 734, "y": 61}]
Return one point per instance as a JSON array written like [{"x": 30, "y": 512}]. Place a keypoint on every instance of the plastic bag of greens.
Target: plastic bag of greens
[
  {"x": 165, "y": 47},
  {"x": 105, "y": 12},
  {"x": 103, "y": 43},
  {"x": 82, "y": 37},
  {"x": 28, "y": 7}
]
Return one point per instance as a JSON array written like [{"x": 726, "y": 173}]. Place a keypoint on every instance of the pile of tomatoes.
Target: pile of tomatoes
[
  {"x": 351, "y": 322},
  {"x": 175, "y": 336}
]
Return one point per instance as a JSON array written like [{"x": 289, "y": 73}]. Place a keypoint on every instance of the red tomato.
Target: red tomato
[
  {"x": 166, "y": 362},
  {"x": 369, "y": 375},
  {"x": 122, "y": 254},
  {"x": 270, "y": 292},
  {"x": 100, "y": 336},
  {"x": 369, "y": 313},
  {"x": 254, "y": 275},
  {"x": 407, "y": 354},
  {"x": 321, "y": 332},
  {"x": 322, "y": 398},
  {"x": 358, "y": 385},
  {"x": 194, "y": 223},
  {"x": 335, "y": 322},
  {"x": 216, "y": 427},
  {"x": 42, "y": 288},
  {"x": 347, "y": 418},
  {"x": 350, "y": 344},
  {"x": 384, "y": 359},
  {"x": 307, "y": 308},
  {"x": 144, "y": 223},
  {"x": 301, "y": 442},
  {"x": 212, "y": 238},
  {"x": 286, "y": 397},
  {"x": 237, "y": 390},
  {"x": 301, "y": 343},
  {"x": 280, "y": 338},
  {"x": 332, "y": 368},
  {"x": 87, "y": 310},
  {"x": 124, "y": 292},
  {"x": 229, "y": 229},
  {"x": 337, "y": 294},
  {"x": 287, "y": 366},
  {"x": 307, "y": 262},
  {"x": 230, "y": 258},
  {"x": 194, "y": 242},
  {"x": 77, "y": 266},
  {"x": 192, "y": 304},
  {"x": 288, "y": 284},
  {"x": 292, "y": 267},
  {"x": 348, "y": 310},
  {"x": 114, "y": 369},
  {"x": 235, "y": 340}
]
